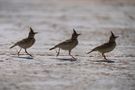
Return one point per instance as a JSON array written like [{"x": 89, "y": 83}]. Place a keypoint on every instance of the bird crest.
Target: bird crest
[
  {"x": 75, "y": 33},
  {"x": 32, "y": 32},
  {"x": 112, "y": 35}
]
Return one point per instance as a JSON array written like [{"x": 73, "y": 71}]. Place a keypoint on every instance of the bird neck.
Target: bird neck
[
  {"x": 112, "y": 40},
  {"x": 73, "y": 38}
]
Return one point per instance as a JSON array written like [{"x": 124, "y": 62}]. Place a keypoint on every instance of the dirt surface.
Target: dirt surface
[{"x": 54, "y": 20}]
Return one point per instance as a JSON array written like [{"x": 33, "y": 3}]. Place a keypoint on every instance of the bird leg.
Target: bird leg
[
  {"x": 19, "y": 51},
  {"x": 104, "y": 56},
  {"x": 28, "y": 53},
  {"x": 58, "y": 52},
  {"x": 71, "y": 55}
]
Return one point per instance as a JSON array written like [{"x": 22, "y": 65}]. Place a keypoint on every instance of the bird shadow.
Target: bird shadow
[
  {"x": 65, "y": 59},
  {"x": 27, "y": 57},
  {"x": 23, "y": 57},
  {"x": 107, "y": 61}
]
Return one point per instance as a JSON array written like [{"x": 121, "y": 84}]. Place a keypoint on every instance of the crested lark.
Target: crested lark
[
  {"x": 106, "y": 47},
  {"x": 27, "y": 42},
  {"x": 68, "y": 44}
]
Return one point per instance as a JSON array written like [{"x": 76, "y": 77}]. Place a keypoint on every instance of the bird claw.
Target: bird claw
[
  {"x": 73, "y": 58},
  {"x": 57, "y": 54},
  {"x": 30, "y": 55}
]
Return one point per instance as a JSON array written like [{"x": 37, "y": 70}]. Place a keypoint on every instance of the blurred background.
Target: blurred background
[{"x": 54, "y": 20}]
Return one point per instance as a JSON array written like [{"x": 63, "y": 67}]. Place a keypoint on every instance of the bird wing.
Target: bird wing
[
  {"x": 105, "y": 45},
  {"x": 65, "y": 42},
  {"x": 61, "y": 44},
  {"x": 23, "y": 41}
]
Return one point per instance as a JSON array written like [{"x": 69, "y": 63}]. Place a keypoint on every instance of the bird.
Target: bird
[
  {"x": 26, "y": 43},
  {"x": 106, "y": 47},
  {"x": 68, "y": 45}
]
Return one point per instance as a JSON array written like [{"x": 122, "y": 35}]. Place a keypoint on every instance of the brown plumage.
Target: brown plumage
[
  {"x": 106, "y": 47},
  {"x": 68, "y": 44},
  {"x": 27, "y": 42}
]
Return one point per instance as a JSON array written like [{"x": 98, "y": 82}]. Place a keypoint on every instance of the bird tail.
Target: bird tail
[
  {"x": 92, "y": 50},
  {"x": 13, "y": 46},
  {"x": 53, "y": 48}
]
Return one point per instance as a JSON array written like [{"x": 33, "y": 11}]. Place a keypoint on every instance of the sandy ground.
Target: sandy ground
[{"x": 54, "y": 20}]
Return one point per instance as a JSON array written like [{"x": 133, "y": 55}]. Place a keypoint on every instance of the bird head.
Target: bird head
[
  {"x": 32, "y": 33},
  {"x": 113, "y": 37},
  {"x": 75, "y": 34}
]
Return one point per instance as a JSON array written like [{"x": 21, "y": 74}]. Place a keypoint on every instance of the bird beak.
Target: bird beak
[
  {"x": 78, "y": 34},
  {"x": 36, "y": 32},
  {"x": 116, "y": 36}
]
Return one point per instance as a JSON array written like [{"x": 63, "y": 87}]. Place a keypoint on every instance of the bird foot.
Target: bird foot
[{"x": 73, "y": 58}]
